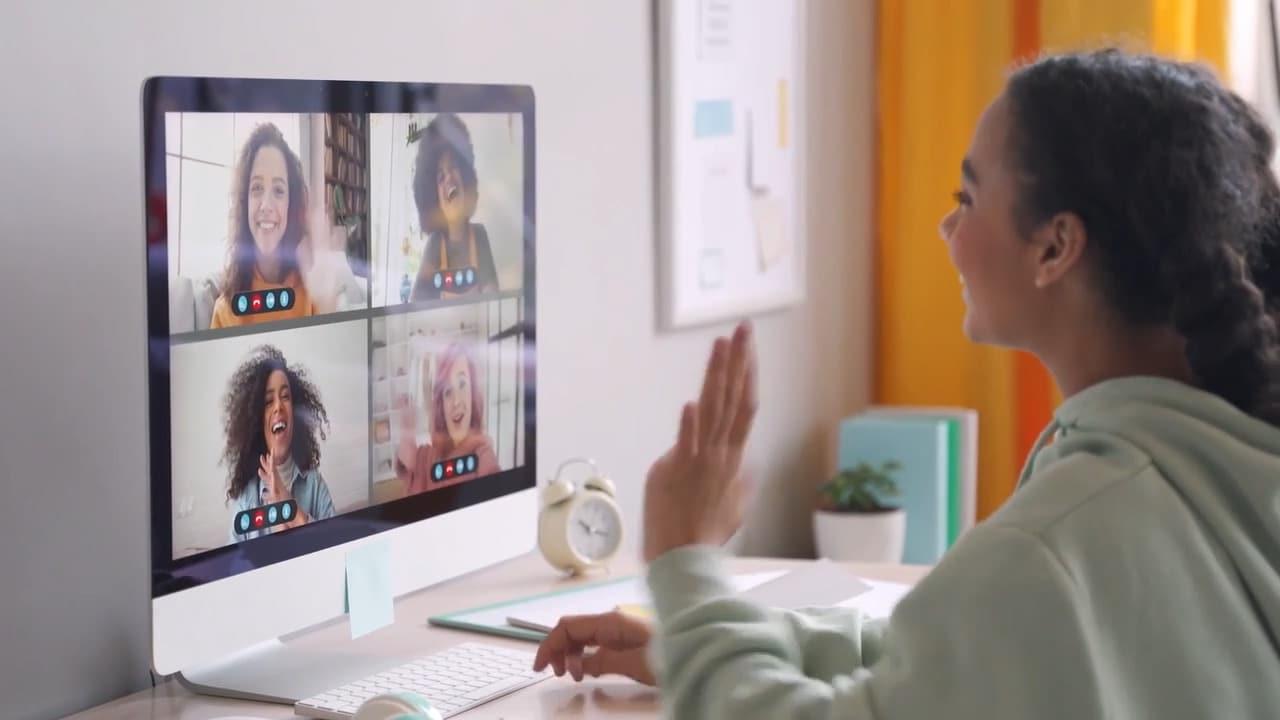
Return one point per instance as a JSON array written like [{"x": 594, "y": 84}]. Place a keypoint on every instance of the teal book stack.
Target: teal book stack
[
  {"x": 963, "y": 495},
  {"x": 932, "y": 448}
]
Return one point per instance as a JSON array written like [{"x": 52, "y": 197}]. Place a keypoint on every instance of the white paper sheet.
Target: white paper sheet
[
  {"x": 880, "y": 600},
  {"x": 820, "y": 584},
  {"x": 542, "y": 614}
]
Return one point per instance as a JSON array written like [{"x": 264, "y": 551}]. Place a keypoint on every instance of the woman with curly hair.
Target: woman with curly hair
[
  {"x": 446, "y": 190},
  {"x": 268, "y": 223},
  {"x": 1116, "y": 217},
  {"x": 273, "y": 420},
  {"x": 457, "y": 428}
]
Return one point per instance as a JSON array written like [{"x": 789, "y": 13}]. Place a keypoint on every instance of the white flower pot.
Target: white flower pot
[{"x": 860, "y": 537}]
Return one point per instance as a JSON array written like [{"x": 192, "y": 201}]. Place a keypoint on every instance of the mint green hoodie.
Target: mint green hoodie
[{"x": 1134, "y": 574}]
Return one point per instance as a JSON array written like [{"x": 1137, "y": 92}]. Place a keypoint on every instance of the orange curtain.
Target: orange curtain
[{"x": 939, "y": 65}]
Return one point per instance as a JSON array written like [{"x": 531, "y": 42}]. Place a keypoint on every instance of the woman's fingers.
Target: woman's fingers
[
  {"x": 711, "y": 404},
  {"x": 748, "y": 400},
  {"x": 734, "y": 387},
  {"x": 571, "y": 634},
  {"x": 687, "y": 441},
  {"x": 562, "y": 648}
]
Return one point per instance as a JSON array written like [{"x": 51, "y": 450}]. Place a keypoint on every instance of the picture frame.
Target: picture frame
[{"x": 731, "y": 159}]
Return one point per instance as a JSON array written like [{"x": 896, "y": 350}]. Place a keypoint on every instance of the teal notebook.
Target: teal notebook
[
  {"x": 580, "y": 599},
  {"x": 924, "y": 447},
  {"x": 962, "y": 500},
  {"x": 532, "y": 617},
  {"x": 955, "y": 482}
]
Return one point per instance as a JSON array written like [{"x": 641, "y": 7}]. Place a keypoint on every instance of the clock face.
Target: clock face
[{"x": 594, "y": 529}]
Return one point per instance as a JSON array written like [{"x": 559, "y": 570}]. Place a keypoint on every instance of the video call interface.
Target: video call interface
[{"x": 345, "y": 299}]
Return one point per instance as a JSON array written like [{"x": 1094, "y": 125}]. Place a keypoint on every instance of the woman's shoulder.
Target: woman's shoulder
[
  {"x": 248, "y": 495},
  {"x": 1075, "y": 488},
  {"x": 221, "y": 315}
]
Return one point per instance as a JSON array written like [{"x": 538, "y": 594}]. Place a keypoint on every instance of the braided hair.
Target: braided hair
[{"x": 1169, "y": 173}]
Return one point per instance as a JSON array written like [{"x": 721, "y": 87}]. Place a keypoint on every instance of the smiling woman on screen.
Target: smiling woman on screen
[{"x": 273, "y": 423}]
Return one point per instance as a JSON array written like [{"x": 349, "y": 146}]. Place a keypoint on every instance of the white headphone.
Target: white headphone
[{"x": 398, "y": 706}]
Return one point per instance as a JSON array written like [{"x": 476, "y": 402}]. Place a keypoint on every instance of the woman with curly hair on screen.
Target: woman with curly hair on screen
[
  {"x": 457, "y": 428},
  {"x": 273, "y": 420},
  {"x": 268, "y": 223},
  {"x": 446, "y": 190}
]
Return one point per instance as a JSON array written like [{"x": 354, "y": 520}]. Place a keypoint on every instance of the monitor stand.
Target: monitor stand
[{"x": 282, "y": 672}]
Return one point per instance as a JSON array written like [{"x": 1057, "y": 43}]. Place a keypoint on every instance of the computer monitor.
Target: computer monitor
[{"x": 340, "y": 307}]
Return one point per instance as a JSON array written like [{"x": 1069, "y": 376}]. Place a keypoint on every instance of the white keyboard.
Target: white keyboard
[{"x": 454, "y": 680}]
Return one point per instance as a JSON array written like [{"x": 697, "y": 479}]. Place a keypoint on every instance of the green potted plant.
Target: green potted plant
[{"x": 854, "y": 521}]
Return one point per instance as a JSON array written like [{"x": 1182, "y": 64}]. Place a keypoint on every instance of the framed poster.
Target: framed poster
[{"x": 730, "y": 167}]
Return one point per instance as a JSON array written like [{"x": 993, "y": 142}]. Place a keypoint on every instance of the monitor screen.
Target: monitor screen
[{"x": 340, "y": 312}]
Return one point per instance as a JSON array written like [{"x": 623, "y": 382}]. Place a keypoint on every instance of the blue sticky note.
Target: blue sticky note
[
  {"x": 712, "y": 118},
  {"x": 369, "y": 602}
]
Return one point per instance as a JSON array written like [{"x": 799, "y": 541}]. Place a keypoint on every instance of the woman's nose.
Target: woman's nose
[{"x": 944, "y": 227}]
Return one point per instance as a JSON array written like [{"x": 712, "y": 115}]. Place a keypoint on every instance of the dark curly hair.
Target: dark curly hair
[
  {"x": 242, "y": 409},
  {"x": 241, "y": 251},
  {"x": 1169, "y": 173},
  {"x": 446, "y": 133}
]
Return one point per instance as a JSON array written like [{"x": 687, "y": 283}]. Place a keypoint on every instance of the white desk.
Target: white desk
[{"x": 555, "y": 698}]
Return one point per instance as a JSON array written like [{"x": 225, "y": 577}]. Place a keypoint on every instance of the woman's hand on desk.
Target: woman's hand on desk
[
  {"x": 695, "y": 494},
  {"x": 620, "y": 641}
]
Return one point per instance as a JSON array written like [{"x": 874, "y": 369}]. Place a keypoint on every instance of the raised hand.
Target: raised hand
[
  {"x": 274, "y": 489},
  {"x": 695, "y": 493}
]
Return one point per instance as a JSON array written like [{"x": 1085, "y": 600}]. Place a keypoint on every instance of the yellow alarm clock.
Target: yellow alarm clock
[{"x": 579, "y": 526}]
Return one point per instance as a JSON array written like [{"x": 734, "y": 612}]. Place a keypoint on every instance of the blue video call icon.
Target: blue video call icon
[
  {"x": 242, "y": 304},
  {"x": 261, "y": 518},
  {"x": 454, "y": 468},
  {"x": 271, "y": 301},
  {"x": 285, "y": 299}
]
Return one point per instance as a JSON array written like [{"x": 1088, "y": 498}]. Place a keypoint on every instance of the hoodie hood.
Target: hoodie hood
[{"x": 1222, "y": 462}]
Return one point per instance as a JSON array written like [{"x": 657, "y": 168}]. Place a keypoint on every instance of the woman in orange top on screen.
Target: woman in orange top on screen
[
  {"x": 268, "y": 223},
  {"x": 459, "y": 449},
  {"x": 446, "y": 190}
]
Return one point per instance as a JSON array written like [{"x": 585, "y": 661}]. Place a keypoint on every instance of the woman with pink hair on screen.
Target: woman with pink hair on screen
[{"x": 459, "y": 448}]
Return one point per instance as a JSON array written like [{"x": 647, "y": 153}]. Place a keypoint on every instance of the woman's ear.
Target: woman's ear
[{"x": 1058, "y": 246}]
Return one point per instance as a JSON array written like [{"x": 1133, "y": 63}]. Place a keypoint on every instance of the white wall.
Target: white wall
[
  {"x": 74, "y": 604},
  {"x": 334, "y": 359}
]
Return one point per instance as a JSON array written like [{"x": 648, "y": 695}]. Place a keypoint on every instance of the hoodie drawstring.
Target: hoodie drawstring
[{"x": 1041, "y": 441}]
